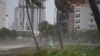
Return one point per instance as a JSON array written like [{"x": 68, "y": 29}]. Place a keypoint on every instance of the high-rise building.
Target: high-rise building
[
  {"x": 21, "y": 18},
  {"x": 2, "y": 13},
  {"x": 84, "y": 19},
  {"x": 70, "y": 23}
]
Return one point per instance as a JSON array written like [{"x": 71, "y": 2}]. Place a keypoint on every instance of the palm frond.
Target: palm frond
[
  {"x": 63, "y": 5},
  {"x": 38, "y": 2},
  {"x": 28, "y": 2}
]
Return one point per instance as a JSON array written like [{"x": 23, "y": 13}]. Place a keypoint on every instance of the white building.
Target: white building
[
  {"x": 84, "y": 19},
  {"x": 2, "y": 13},
  {"x": 21, "y": 19}
]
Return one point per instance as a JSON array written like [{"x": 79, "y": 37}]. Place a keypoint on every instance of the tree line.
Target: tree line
[
  {"x": 8, "y": 34},
  {"x": 46, "y": 28}
]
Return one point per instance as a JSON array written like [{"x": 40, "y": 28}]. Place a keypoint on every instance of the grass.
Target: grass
[
  {"x": 64, "y": 53},
  {"x": 69, "y": 50}
]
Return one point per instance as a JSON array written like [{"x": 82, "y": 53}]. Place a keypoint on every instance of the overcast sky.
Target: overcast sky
[
  {"x": 11, "y": 4},
  {"x": 50, "y": 9}
]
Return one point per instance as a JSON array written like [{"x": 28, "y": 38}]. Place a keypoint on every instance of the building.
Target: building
[
  {"x": 66, "y": 20},
  {"x": 83, "y": 18},
  {"x": 62, "y": 21},
  {"x": 21, "y": 19},
  {"x": 13, "y": 26},
  {"x": 2, "y": 13},
  {"x": 70, "y": 23}
]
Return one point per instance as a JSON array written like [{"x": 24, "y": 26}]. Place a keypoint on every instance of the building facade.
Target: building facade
[
  {"x": 2, "y": 13},
  {"x": 83, "y": 18},
  {"x": 21, "y": 17},
  {"x": 62, "y": 21},
  {"x": 70, "y": 23}
]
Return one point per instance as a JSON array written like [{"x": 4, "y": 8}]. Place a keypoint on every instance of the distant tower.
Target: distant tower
[
  {"x": 21, "y": 19},
  {"x": 2, "y": 13}
]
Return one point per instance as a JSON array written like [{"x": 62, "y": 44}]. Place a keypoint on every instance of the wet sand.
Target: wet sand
[
  {"x": 13, "y": 49},
  {"x": 17, "y": 51}
]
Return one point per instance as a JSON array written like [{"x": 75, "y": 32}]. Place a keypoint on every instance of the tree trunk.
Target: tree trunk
[
  {"x": 59, "y": 32},
  {"x": 31, "y": 27},
  {"x": 40, "y": 19},
  {"x": 96, "y": 12}
]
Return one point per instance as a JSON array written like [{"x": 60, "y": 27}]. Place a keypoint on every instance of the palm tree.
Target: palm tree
[
  {"x": 59, "y": 32},
  {"x": 95, "y": 12},
  {"x": 64, "y": 6},
  {"x": 39, "y": 4},
  {"x": 28, "y": 3}
]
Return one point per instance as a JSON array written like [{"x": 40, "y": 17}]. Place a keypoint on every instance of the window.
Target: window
[
  {"x": 77, "y": 26},
  {"x": 91, "y": 14},
  {"x": 77, "y": 15},
  {"x": 77, "y": 21},
  {"x": 78, "y": 9},
  {"x": 91, "y": 20},
  {"x": 91, "y": 26}
]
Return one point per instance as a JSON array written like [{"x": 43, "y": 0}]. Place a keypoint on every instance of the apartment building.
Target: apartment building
[
  {"x": 21, "y": 17},
  {"x": 83, "y": 18},
  {"x": 2, "y": 13}
]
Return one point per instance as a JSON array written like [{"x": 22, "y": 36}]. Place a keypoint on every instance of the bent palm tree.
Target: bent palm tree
[
  {"x": 59, "y": 32},
  {"x": 39, "y": 4},
  {"x": 64, "y": 6},
  {"x": 31, "y": 25}
]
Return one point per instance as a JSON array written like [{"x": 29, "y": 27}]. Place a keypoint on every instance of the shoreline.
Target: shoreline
[{"x": 16, "y": 48}]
